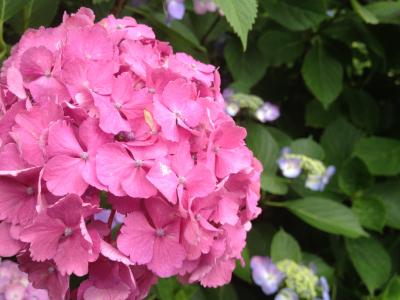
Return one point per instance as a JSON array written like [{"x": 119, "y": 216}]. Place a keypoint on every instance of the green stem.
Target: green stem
[{"x": 276, "y": 204}]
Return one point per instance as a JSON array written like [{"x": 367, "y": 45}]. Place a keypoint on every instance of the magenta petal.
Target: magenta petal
[
  {"x": 167, "y": 121},
  {"x": 137, "y": 185},
  {"x": 200, "y": 181},
  {"x": 168, "y": 252},
  {"x": 164, "y": 179},
  {"x": 111, "y": 120},
  {"x": 63, "y": 175},
  {"x": 15, "y": 82},
  {"x": 8, "y": 245},
  {"x": 137, "y": 238},
  {"x": 72, "y": 255},
  {"x": 62, "y": 140},
  {"x": 43, "y": 236}
]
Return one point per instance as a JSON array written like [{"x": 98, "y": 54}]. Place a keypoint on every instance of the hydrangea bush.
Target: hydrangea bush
[
  {"x": 104, "y": 114},
  {"x": 125, "y": 151}
]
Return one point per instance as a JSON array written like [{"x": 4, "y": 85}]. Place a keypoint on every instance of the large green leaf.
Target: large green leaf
[
  {"x": 248, "y": 67},
  {"x": 371, "y": 261},
  {"x": 392, "y": 291},
  {"x": 371, "y": 212},
  {"x": 381, "y": 155},
  {"x": 317, "y": 116},
  {"x": 364, "y": 111},
  {"x": 326, "y": 215},
  {"x": 338, "y": 141},
  {"x": 295, "y": 14},
  {"x": 40, "y": 12},
  {"x": 322, "y": 268},
  {"x": 389, "y": 194},
  {"x": 308, "y": 147},
  {"x": 263, "y": 145},
  {"x": 364, "y": 13},
  {"x": 241, "y": 14},
  {"x": 281, "y": 47},
  {"x": 8, "y": 8},
  {"x": 274, "y": 184},
  {"x": 284, "y": 246},
  {"x": 385, "y": 11},
  {"x": 322, "y": 74},
  {"x": 354, "y": 177}
]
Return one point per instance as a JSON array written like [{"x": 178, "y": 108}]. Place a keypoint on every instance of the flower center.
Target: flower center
[
  {"x": 50, "y": 269},
  {"x": 160, "y": 232},
  {"x": 138, "y": 163},
  {"x": 30, "y": 191},
  {"x": 181, "y": 180},
  {"x": 67, "y": 231},
  {"x": 117, "y": 105},
  {"x": 84, "y": 155},
  {"x": 216, "y": 149},
  {"x": 151, "y": 90}
]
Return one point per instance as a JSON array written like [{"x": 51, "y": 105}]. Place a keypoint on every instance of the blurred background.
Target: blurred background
[{"x": 316, "y": 84}]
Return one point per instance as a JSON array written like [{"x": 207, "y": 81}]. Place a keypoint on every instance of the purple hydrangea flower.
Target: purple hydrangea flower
[
  {"x": 175, "y": 9},
  {"x": 286, "y": 294},
  {"x": 268, "y": 112},
  {"x": 231, "y": 107},
  {"x": 325, "y": 288},
  {"x": 290, "y": 166},
  {"x": 265, "y": 274},
  {"x": 318, "y": 182},
  {"x": 105, "y": 214},
  {"x": 201, "y": 7}
]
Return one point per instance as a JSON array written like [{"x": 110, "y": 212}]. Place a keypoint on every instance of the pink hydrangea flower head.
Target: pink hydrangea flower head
[{"x": 118, "y": 163}]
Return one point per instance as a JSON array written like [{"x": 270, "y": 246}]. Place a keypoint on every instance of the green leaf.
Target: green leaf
[
  {"x": 326, "y": 215},
  {"x": 263, "y": 145},
  {"x": 371, "y": 212},
  {"x": 281, "y": 47},
  {"x": 338, "y": 141},
  {"x": 244, "y": 273},
  {"x": 364, "y": 13},
  {"x": 322, "y": 74},
  {"x": 284, "y": 246},
  {"x": 389, "y": 194},
  {"x": 246, "y": 67},
  {"x": 354, "y": 177},
  {"x": 318, "y": 117},
  {"x": 392, "y": 291},
  {"x": 8, "y": 8},
  {"x": 308, "y": 147},
  {"x": 40, "y": 12},
  {"x": 281, "y": 137},
  {"x": 371, "y": 261},
  {"x": 364, "y": 111},
  {"x": 385, "y": 11},
  {"x": 241, "y": 15},
  {"x": 381, "y": 155},
  {"x": 274, "y": 184},
  {"x": 296, "y": 15}
]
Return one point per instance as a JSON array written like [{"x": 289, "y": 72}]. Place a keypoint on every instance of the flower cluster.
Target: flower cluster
[
  {"x": 103, "y": 115},
  {"x": 14, "y": 284},
  {"x": 292, "y": 281},
  {"x": 176, "y": 8},
  {"x": 318, "y": 175},
  {"x": 263, "y": 111}
]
